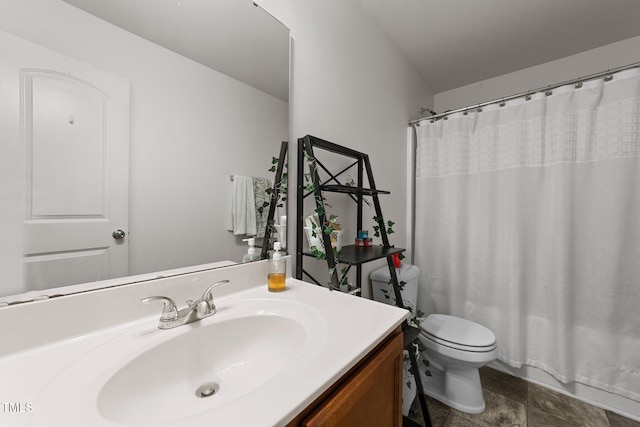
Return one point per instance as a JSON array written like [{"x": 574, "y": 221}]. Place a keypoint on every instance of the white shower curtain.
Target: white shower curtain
[{"x": 529, "y": 223}]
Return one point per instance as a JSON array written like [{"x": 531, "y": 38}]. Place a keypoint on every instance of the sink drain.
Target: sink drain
[{"x": 207, "y": 389}]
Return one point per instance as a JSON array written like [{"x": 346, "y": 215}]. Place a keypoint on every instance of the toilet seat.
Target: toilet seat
[{"x": 458, "y": 333}]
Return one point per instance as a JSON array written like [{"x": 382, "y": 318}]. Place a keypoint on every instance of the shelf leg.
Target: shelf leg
[{"x": 423, "y": 401}]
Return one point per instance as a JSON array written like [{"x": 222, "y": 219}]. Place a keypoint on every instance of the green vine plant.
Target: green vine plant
[
  {"x": 327, "y": 228},
  {"x": 376, "y": 228},
  {"x": 281, "y": 186},
  {"x": 416, "y": 314}
]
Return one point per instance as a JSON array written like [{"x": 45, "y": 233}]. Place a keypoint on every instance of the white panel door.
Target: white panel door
[{"x": 74, "y": 148}]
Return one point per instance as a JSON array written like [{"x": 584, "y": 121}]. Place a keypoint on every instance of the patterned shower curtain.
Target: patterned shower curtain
[{"x": 530, "y": 225}]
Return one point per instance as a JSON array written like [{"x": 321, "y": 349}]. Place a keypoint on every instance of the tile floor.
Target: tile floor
[{"x": 514, "y": 402}]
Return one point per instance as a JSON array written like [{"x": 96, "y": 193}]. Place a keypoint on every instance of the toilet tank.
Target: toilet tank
[{"x": 380, "y": 282}]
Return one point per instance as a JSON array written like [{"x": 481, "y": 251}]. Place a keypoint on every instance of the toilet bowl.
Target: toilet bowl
[{"x": 454, "y": 348}]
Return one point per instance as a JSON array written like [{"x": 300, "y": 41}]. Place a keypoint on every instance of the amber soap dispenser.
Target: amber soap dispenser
[{"x": 277, "y": 270}]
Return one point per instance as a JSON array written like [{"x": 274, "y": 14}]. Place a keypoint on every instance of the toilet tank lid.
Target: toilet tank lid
[
  {"x": 405, "y": 273},
  {"x": 458, "y": 330}
]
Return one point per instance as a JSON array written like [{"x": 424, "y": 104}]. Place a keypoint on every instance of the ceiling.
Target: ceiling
[
  {"x": 231, "y": 36},
  {"x": 453, "y": 43}
]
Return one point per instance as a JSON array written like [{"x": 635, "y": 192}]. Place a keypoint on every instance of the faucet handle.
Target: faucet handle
[
  {"x": 208, "y": 295},
  {"x": 170, "y": 309}
]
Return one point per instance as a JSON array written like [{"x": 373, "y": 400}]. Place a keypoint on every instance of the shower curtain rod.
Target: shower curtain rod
[{"x": 547, "y": 89}]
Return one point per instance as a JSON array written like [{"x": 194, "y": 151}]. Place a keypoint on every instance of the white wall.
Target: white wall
[
  {"x": 350, "y": 85},
  {"x": 191, "y": 128},
  {"x": 582, "y": 64}
]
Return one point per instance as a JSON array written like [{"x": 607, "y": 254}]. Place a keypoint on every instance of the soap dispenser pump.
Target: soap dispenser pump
[
  {"x": 277, "y": 270},
  {"x": 252, "y": 254}
]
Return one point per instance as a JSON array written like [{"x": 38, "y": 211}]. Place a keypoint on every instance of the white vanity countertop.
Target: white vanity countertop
[{"x": 58, "y": 383}]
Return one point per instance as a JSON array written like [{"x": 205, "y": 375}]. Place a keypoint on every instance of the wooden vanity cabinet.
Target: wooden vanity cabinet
[{"x": 370, "y": 394}]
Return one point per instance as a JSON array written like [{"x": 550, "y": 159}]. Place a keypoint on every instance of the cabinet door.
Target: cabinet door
[{"x": 371, "y": 397}]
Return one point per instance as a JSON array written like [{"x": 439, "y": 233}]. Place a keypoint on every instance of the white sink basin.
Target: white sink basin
[
  {"x": 144, "y": 376},
  {"x": 219, "y": 362}
]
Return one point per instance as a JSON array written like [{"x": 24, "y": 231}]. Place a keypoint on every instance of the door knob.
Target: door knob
[{"x": 118, "y": 234}]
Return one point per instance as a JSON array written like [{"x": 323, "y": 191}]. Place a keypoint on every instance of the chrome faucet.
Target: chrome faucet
[{"x": 195, "y": 310}]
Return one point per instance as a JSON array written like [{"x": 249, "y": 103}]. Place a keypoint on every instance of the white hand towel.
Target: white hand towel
[{"x": 242, "y": 217}]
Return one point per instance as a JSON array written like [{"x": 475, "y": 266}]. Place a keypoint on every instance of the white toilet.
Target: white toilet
[{"x": 454, "y": 347}]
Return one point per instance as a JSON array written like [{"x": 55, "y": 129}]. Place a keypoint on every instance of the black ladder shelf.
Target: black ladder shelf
[
  {"x": 279, "y": 182},
  {"x": 349, "y": 255}
]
